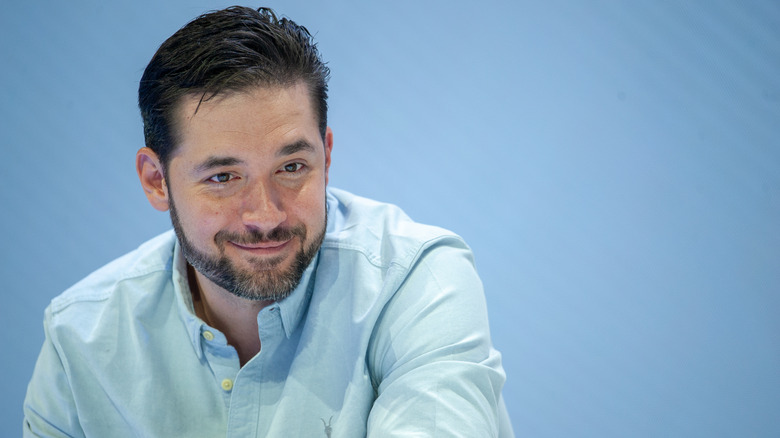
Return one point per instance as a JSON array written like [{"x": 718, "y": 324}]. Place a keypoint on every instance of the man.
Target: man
[{"x": 277, "y": 306}]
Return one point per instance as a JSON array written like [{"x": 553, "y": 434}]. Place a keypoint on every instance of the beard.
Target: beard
[{"x": 266, "y": 280}]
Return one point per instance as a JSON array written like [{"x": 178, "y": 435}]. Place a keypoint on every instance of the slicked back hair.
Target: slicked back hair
[{"x": 223, "y": 51}]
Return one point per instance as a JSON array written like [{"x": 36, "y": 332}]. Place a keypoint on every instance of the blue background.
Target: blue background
[{"x": 614, "y": 165}]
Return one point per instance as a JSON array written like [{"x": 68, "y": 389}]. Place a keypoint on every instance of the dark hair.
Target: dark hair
[{"x": 227, "y": 50}]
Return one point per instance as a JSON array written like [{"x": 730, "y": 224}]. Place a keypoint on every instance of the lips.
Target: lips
[
  {"x": 275, "y": 243},
  {"x": 262, "y": 247}
]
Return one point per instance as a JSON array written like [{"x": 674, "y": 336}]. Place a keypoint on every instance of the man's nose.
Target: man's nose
[{"x": 263, "y": 208}]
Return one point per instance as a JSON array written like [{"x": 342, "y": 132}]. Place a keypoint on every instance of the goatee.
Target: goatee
[{"x": 267, "y": 280}]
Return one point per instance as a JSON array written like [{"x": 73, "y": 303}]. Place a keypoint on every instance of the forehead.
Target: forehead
[
  {"x": 271, "y": 100},
  {"x": 261, "y": 114}
]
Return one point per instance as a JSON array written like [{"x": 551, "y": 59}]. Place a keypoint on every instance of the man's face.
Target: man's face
[{"x": 246, "y": 188}]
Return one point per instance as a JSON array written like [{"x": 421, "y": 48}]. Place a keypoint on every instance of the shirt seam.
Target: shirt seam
[
  {"x": 410, "y": 256},
  {"x": 62, "y": 302}
]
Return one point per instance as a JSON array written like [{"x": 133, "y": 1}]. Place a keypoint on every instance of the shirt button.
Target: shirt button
[
  {"x": 207, "y": 335},
  {"x": 227, "y": 384}
]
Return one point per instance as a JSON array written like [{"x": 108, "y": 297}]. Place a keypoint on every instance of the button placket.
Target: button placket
[{"x": 222, "y": 359}]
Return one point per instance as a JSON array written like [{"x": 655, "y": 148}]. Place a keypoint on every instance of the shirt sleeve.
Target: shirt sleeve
[
  {"x": 49, "y": 408},
  {"x": 435, "y": 370}
]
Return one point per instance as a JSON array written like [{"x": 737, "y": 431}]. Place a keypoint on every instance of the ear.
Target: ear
[
  {"x": 150, "y": 172},
  {"x": 328, "y": 148}
]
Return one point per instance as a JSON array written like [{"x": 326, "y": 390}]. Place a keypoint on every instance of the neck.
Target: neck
[{"x": 235, "y": 317}]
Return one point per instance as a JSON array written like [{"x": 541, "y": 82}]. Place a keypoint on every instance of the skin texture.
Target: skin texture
[{"x": 248, "y": 178}]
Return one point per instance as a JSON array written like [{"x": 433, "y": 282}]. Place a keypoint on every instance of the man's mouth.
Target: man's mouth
[{"x": 265, "y": 245}]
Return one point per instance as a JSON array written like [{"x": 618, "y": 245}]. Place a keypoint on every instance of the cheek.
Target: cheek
[
  {"x": 216, "y": 216},
  {"x": 207, "y": 218},
  {"x": 311, "y": 209}
]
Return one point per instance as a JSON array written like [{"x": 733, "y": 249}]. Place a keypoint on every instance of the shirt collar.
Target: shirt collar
[
  {"x": 291, "y": 309},
  {"x": 181, "y": 287},
  {"x": 294, "y": 307}
]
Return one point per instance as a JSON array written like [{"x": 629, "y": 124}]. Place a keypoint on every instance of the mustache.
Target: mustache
[{"x": 251, "y": 237}]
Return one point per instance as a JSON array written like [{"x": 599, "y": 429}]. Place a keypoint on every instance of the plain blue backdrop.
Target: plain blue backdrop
[{"x": 614, "y": 165}]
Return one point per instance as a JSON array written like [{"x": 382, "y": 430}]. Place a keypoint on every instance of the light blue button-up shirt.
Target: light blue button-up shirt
[{"x": 386, "y": 335}]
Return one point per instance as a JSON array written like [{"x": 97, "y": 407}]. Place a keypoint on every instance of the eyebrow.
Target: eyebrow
[
  {"x": 292, "y": 148},
  {"x": 214, "y": 162}
]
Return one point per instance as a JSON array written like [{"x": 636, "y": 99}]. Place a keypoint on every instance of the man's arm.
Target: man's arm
[
  {"x": 432, "y": 358},
  {"x": 49, "y": 409}
]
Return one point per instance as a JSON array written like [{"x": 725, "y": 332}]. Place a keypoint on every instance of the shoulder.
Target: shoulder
[
  {"x": 151, "y": 259},
  {"x": 381, "y": 232}
]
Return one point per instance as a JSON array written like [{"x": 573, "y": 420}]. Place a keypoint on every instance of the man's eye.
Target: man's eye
[
  {"x": 292, "y": 167},
  {"x": 221, "y": 178}
]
